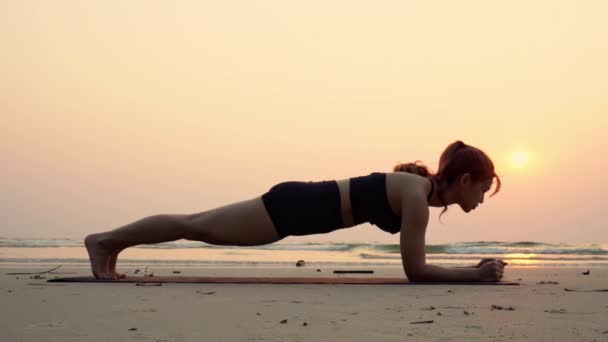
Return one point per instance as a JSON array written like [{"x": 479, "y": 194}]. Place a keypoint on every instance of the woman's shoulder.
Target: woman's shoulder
[
  {"x": 406, "y": 177},
  {"x": 403, "y": 183}
]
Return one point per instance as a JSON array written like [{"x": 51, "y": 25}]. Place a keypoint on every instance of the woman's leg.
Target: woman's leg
[{"x": 243, "y": 223}]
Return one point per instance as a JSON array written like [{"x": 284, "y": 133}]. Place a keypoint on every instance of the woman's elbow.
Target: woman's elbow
[{"x": 414, "y": 273}]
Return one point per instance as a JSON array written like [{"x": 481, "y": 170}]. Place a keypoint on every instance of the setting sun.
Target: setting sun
[{"x": 520, "y": 159}]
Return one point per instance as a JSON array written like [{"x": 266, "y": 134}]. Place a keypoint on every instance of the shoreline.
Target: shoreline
[{"x": 226, "y": 257}]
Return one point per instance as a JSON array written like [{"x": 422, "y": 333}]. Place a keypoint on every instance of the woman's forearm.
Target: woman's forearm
[{"x": 439, "y": 273}]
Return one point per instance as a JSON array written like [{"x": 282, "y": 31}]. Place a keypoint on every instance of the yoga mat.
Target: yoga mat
[{"x": 270, "y": 280}]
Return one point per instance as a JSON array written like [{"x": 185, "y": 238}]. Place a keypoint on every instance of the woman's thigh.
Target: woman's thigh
[{"x": 244, "y": 223}]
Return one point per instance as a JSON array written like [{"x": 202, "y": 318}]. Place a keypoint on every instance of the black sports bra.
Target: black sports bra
[{"x": 369, "y": 202}]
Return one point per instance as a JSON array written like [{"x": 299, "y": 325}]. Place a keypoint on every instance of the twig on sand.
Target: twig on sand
[
  {"x": 48, "y": 271},
  {"x": 500, "y": 307},
  {"x": 422, "y": 322},
  {"x": 574, "y": 290}
]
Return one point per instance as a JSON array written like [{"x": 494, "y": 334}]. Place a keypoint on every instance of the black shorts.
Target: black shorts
[{"x": 304, "y": 208}]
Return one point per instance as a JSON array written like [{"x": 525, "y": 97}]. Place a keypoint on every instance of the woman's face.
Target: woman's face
[{"x": 473, "y": 192}]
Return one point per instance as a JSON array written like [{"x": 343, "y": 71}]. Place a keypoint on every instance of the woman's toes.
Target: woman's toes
[
  {"x": 112, "y": 276},
  {"x": 112, "y": 264}
]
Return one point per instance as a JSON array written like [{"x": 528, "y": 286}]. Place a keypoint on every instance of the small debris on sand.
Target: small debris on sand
[
  {"x": 177, "y": 272},
  {"x": 283, "y": 321},
  {"x": 548, "y": 282},
  {"x": 587, "y": 273},
  {"x": 148, "y": 284},
  {"x": 422, "y": 322},
  {"x": 37, "y": 276},
  {"x": 205, "y": 293},
  {"x": 499, "y": 307},
  {"x": 560, "y": 311},
  {"x": 439, "y": 313},
  {"x": 136, "y": 271},
  {"x": 132, "y": 329},
  {"x": 259, "y": 314},
  {"x": 304, "y": 324},
  {"x": 429, "y": 308},
  {"x": 466, "y": 312},
  {"x": 318, "y": 270},
  {"x": 300, "y": 263}
]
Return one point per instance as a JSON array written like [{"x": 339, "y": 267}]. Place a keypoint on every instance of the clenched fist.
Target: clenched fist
[
  {"x": 491, "y": 271},
  {"x": 486, "y": 260}
]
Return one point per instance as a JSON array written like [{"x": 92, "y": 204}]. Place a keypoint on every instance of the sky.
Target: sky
[{"x": 111, "y": 111}]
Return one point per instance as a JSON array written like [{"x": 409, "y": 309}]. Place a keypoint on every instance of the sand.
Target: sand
[{"x": 34, "y": 310}]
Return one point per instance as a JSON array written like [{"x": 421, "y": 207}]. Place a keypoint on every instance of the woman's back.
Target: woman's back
[{"x": 376, "y": 198}]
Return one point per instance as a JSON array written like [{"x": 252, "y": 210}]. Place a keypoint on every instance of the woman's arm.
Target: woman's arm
[
  {"x": 414, "y": 220},
  {"x": 439, "y": 273}
]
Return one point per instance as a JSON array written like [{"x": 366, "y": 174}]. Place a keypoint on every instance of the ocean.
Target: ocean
[{"x": 184, "y": 253}]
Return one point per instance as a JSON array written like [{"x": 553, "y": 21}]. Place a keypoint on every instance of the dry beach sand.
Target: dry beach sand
[{"x": 540, "y": 309}]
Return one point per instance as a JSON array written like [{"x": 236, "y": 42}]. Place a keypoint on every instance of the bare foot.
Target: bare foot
[{"x": 99, "y": 257}]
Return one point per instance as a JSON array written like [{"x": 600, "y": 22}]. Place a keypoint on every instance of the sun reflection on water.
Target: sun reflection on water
[{"x": 528, "y": 259}]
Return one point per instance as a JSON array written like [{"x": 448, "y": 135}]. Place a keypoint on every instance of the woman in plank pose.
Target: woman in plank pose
[{"x": 396, "y": 202}]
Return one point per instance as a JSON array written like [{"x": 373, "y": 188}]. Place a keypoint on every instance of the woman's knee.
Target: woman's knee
[
  {"x": 179, "y": 222},
  {"x": 195, "y": 226}
]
